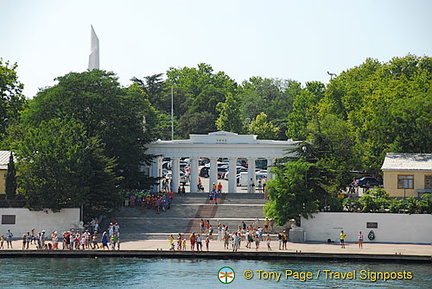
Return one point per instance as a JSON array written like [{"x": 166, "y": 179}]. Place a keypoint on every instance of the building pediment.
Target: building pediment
[{"x": 222, "y": 137}]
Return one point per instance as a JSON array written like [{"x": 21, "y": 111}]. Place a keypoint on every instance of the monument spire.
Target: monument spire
[{"x": 94, "y": 51}]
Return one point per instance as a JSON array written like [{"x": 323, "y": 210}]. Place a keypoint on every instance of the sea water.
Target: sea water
[{"x": 204, "y": 273}]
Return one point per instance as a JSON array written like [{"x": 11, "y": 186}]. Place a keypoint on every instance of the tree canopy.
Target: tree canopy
[
  {"x": 12, "y": 101},
  {"x": 348, "y": 124}
]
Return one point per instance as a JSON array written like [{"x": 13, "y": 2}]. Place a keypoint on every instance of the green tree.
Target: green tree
[
  {"x": 121, "y": 118},
  {"x": 229, "y": 115},
  {"x": 305, "y": 109},
  {"x": 375, "y": 200},
  {"x": 12, "y": 101},
  {"x": 203, "y": 90},
  {"x": 385, "y": 106},
  {"x": 262, "y": 128},
  {"x": 61, "y": 167},
  {"x": 296, "y": 190},
  {"x": 11, "y": 182},
  {"x": 155, "y": 89}
]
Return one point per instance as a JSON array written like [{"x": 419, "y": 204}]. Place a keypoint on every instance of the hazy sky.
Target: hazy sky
[{"x": 299, "y": 40}]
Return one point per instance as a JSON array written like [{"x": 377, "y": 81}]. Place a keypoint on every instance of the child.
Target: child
[
  {"x": 113, "y": 241},
  {"x": 2, "y": 239},
  {"x": 184, "y": 244}
]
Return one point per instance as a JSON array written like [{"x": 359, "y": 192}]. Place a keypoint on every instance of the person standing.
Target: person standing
[
  {"x": 199, "y": 242},
  {"x": 251, "y": 186},
  {"x": 24, "y": 241},
  {"x": 342, "y": 239},
  {"x": 280, "y": 240},
  {"x": 192, "y": 240},
  {"x": 28, "y": 240},
  {"x": 9, "y": 236},
  {"x": 215, "y": 197},
  {"x": 268, "y": 240},
  {"x": 360, "y": 240},
  {"x": 171, "y": 243},
  {"x": 104, "y": 240},
  {"x": 200, "y": 186},
  {"x": 207, "y": 242},
  {"x": 210, "y": 232},
  {"x": 219, "y": 188},
  {"x": 257, "y": 242},
  {"x": 266, "y": 225},
  {"x": 202, "y": 226},
  {"x": 235, "y": 241},
  {"x": 284, "y": 240}
]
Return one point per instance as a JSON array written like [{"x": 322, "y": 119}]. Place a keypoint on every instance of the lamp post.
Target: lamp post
[
  {"x": 304, "y": 149},
  {"x": 331, "y": 75}
]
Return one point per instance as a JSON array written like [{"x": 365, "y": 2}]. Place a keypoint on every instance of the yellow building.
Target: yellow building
[
  {"x": 407, "y": 175},
  {"x": 4, "y": 161}
]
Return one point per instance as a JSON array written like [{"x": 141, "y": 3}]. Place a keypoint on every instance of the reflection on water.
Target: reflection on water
[{"x": 183, "y": 273}]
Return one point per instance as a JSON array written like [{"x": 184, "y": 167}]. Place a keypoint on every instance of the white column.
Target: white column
[
  {"x": 232, "y": 178},
  {"x": 194, "y": 175},
  {"x": 213, "y": 172},
  {"x": 176, "y": 174},
  {"x": 270, "y": 162},
  {"x": 157, "y": 172},
  {"x": 251, "y": 175}
]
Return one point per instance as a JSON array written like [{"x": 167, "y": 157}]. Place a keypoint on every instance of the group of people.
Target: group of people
[
  {"x": 71, "y": 240},
  {"x": 214, "y": 193},
  {"x": 31, "y": 238},
  {"x": 343, "y": 235},
  {"x": 159, "y": 202},
  {"x": 85, "y": 240},
  {"x": 252, "y": 234},
  {"x": 8, "y": 239}
]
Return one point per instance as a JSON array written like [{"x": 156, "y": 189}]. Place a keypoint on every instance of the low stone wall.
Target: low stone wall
[
  {"x": 387, "y": 228},
  {"x": 21, "y": 221}
]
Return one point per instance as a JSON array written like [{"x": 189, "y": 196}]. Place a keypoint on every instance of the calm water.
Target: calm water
[{"x": 184, "y": 273}]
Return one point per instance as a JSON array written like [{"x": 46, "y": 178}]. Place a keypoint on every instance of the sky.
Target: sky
[{"x": 299, "y": 40}]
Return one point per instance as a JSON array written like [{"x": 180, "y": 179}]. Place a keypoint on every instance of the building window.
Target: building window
[
  {"x": 405, "y": 182},
  {"x": 8, "y": 219},
  {"x": 428, "y": 182}
]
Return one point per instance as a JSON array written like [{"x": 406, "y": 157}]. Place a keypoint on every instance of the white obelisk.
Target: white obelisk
[{"x": 94, "y": 51}]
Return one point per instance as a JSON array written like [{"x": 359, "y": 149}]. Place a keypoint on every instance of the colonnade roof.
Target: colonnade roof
[{"x": 221, "y": 144}]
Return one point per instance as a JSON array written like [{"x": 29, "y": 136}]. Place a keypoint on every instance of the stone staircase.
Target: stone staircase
[{"x": 185, "y": 214}]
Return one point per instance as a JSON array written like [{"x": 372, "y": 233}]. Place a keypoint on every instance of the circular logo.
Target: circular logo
[{"x": 226, "y": 275}]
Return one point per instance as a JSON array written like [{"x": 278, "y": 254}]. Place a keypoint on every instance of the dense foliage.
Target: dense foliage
[
  {"x": 347, "y": 125},
  {"x": 378, "y": 201},
  {"x": 12, "y": 101}
]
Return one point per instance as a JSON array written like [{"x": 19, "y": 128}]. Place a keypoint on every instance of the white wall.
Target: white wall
[
  {"x": 392, "y": 228},
  {"x": 40, "y": 220}
]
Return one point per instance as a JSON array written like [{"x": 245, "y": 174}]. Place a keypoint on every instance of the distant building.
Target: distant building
[
  {"x": 407, "y": 174},
  {"x": 4, "y": 161}
]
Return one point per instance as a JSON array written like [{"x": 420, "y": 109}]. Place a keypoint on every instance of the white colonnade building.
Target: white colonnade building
[{"x": 215, "y": 145}]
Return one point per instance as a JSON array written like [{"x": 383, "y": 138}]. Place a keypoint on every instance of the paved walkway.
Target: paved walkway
[{"x": 217, "y": 246}]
